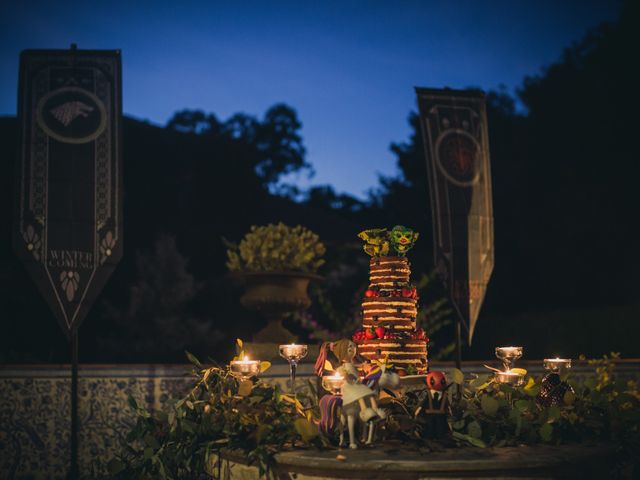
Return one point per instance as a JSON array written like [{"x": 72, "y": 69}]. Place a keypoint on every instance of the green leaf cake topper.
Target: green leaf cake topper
[{"x": 380, "y": 241}]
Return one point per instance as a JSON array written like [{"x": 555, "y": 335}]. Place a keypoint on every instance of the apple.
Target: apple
[
  {"x": 370, "y": 334},
  {"x": 380, "y": 331}
]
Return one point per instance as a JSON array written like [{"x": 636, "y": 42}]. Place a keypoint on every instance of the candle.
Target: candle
[
  {"x": 333, "y": 383},
  {"x": 293, "y": 352},
  {"x": 557, "y": 364},
  {"x": 509, "y": 377},
  {"x": 244, "y": 368}
]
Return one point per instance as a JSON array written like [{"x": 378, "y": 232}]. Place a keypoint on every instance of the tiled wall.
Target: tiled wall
[{"x": 35, "y": 409}]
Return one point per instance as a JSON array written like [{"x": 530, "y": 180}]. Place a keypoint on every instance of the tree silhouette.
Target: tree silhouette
[
  {"x": 564, "y": 179},
  {"x": 273, "y": 147},
  {"x": 159, "y": 321}
]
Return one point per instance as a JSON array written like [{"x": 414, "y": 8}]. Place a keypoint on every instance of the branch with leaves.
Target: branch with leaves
[{"x": 218, "y": 413}]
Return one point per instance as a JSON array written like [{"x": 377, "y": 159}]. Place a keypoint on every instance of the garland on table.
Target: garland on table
[
  {"x": 259, "y": 420},
  {"x": 218, "y": 413}
]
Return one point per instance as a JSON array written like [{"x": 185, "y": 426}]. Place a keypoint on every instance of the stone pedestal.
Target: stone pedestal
[{"x": 392, "y": 462}]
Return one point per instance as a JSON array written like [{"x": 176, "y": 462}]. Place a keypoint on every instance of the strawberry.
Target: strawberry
[
  {"x": 370, "y": 334},
  {"x": 407, "y": 293},
  {"x": 380, "y": 331},
  {"x": 370, "y": 293}
]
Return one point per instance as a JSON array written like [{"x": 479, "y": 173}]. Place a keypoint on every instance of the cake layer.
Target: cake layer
[
  {"x": 397, "y": 304},
  {"x": 408, "y": 326},
  {"x": 392, "y": 312},
  {"x": 389, "y": 272},
  {"x": 401, "y": 353},
  {"x": 389, "y": 262}
]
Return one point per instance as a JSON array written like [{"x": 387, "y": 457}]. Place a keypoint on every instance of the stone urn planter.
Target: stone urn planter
[{"x": 276, "y": 295}]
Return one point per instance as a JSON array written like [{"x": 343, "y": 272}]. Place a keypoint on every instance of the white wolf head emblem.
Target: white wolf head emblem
[{"x": 68, "y": 112}]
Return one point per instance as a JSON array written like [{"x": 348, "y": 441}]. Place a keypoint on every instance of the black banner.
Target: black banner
[
  {"x": 454, "y": 129},
  {"x": 68, "y": 221}
]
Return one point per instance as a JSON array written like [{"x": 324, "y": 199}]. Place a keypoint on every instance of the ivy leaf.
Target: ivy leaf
[
  {"x": 132, "y": 402},
  {"x": 115, "y": 466},
  {"x": 474, "y": 429},
  {"x": 459, "y": 425},
  {"x": 305, "y": 429},
  {"x": 189, "y": 426},
  {"x": 262, "y": 431},
  {"x": 489, "y": 405},
  {"x": 531, "y": 389},
  {"x": 546, "y": 432},
  {"x": 553, "y": 414},
  {"x": 569, "y": 397},
  {"x": 457, "y": 376},
  {"x": 148, "y": 453},
  {"x": 517, "y": 417},
  {"x": 151, "y": 441},
  {"x": 264, "y": 366},
  {"x": 480, "y": 382},
  {"x": 192, "y": 358},
  {"x": 476, "y": 442}
]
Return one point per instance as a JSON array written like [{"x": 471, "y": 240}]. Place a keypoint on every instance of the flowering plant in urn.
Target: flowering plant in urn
[{"x": 269, "y": 248}]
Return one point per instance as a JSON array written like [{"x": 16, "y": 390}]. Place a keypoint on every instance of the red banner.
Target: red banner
[{"x": 454, "y": 129}]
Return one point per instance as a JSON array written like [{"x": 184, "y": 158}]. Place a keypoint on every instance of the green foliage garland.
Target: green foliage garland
[
  {"x": 602, "y": 408},
  {"x": 219, "y": 412},
  {"x": 259, "y": 420}
]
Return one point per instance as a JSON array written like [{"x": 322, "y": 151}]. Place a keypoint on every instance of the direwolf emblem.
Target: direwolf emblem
[{"x": 68, "y": 112}]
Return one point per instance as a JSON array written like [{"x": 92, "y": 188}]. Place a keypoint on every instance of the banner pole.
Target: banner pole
[
  {"x": 458, "y": 344},
  {"x": 74, "y": 472}
]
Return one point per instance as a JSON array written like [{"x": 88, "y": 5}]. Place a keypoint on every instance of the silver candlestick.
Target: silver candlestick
[
  {"x": 508, "y": 355},
  {"x": 293, "y": 353}
]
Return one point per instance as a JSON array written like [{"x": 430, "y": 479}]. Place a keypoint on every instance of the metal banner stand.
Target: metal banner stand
[{"x": 74, "y": 472}]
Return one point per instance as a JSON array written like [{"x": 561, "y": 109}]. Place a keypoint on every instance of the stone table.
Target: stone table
[{"x": 393, "y": 462}]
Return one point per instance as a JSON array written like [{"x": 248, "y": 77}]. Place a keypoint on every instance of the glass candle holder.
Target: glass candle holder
[
  {"x": 244, "y": 369},
  {"x": 293, "y": 353},
  {"x": 333, "y": 383},
  {"x": 509, "y": 378},
  {"x": 508, "y": 355},
  {"x": 557, "y": 365}
]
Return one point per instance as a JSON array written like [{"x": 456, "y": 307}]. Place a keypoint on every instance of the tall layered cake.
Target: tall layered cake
[{"x": 390, "y": 306}]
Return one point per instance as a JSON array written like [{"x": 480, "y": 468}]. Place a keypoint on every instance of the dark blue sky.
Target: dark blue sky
[{"x": 348, "y": 67}]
